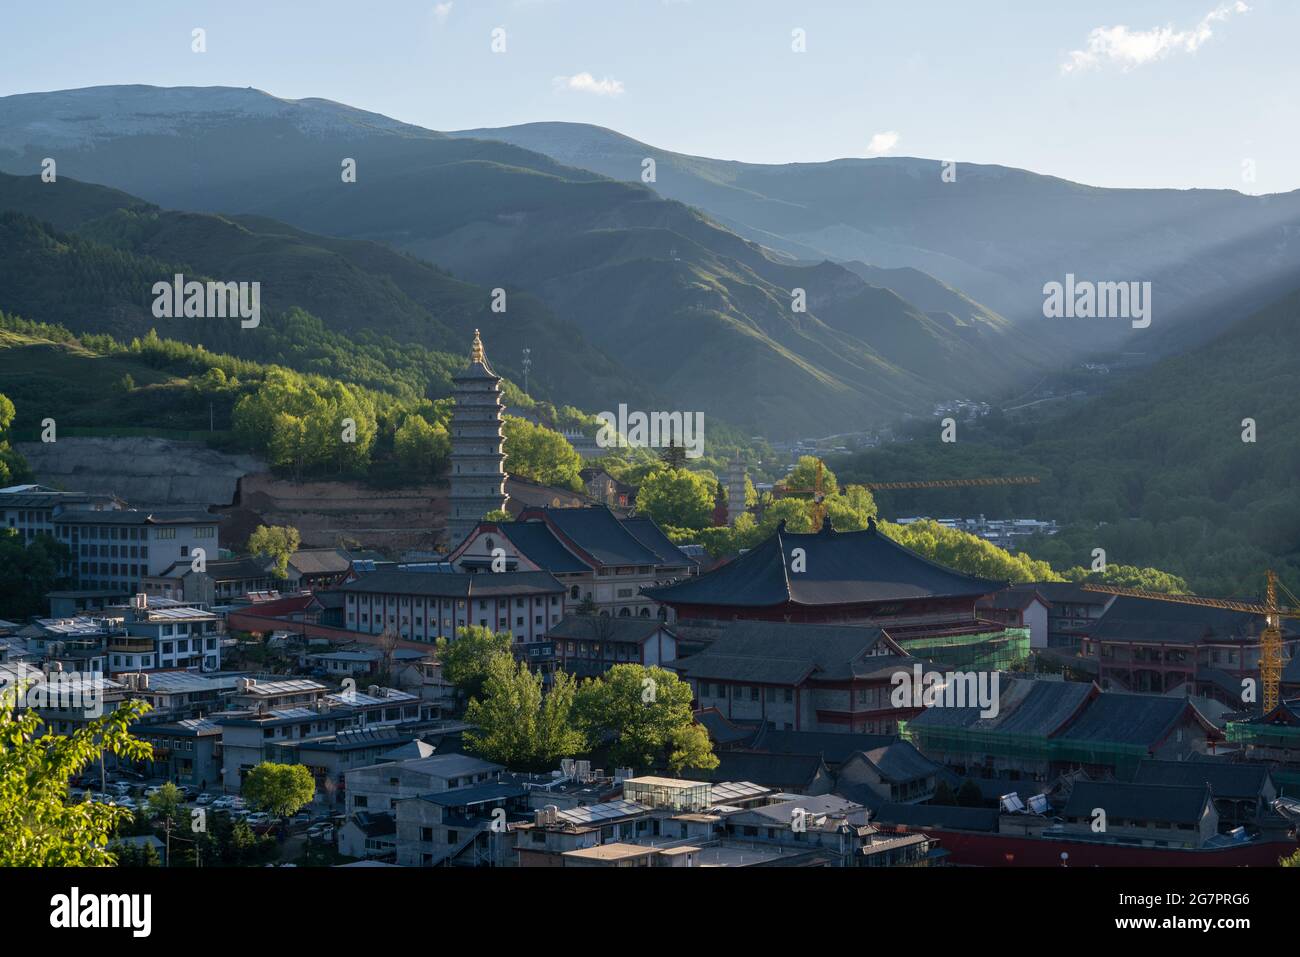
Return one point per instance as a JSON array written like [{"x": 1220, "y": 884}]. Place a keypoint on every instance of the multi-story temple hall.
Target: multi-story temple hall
[{"x": 848, "y": 578}]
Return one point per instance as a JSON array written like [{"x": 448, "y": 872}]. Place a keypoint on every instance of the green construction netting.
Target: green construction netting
[{"x": 984, "y": 651}]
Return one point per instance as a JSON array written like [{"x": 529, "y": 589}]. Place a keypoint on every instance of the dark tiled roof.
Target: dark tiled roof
[
  {"x": 722, "y": 731},
  {"x": 938, "y": 816},
  {"x": 375, "y": 825},
  {"x": 598, "y": 532},
  {"x": 1226, "y": 780},
  {"x": 320, "y": 561},
  {"x": 459, "y": 585},
  {"x": 478, "y": 794},
  {"x": 1138, "y": 802},
  {"x": 834, "y": 746},
  {"x": 1149, "y": 619},
  {"x": 535, "y": 541},
  {"x": 778, "y": 771},
  {"x": 222, "y": 570},
  {"x": 604, "y": 628},
  {"x": 1071, "y": 593},
  {"x": 842, "y": 568},
  {"x": 1025, "y": 706},
  {"x": 900, "y": 762},
  {"x": 782, "y": 653},
  {"x": 1136, "y": 719},
  {"x": 645, "y": 531},
  {"x": 136, "y": 517},
  {"x": 1012, "y": 599}
]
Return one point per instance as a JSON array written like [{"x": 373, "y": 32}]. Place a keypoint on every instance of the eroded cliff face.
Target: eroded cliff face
[
  {"x": 143, "y": 471},
  {"x": 152, "y": 472}
]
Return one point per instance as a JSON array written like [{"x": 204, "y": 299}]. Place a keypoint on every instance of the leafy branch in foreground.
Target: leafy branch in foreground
[{"x": 39, "y": 825}]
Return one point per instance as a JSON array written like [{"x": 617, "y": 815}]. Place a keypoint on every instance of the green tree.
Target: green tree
[
  {"x": 1130, "y": 576},
  {"x": 466, "y": 661},
  {"x": 12, "y": 465},
  {"x": 277, "y": 542},
  {"x": 518, "y": 725},
  {"x": 421, "y": 449},
  {"x": 804, "y": 476},
  {"x": 279, "y": 789},
  {"x": 676, "y": 497},
  {"x": 166, "y": 802},
  {"x": 644, "y": 714},
  {"x": 28, "y": 572},
  {"x": 540, "y": 454},
  {"x": 39, "y": 825},
  {"x": 1292, "y": 860}
]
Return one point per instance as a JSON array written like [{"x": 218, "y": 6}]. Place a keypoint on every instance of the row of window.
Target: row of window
[{"x": 740, "y": 692}]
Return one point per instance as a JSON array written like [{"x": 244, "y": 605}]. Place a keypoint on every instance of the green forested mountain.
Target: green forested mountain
[
  {"x": 994, "y": 232},
  {"x": 98, "y": 276},
  {"x": 695, "y": 312},
  {"x": 1155, "y": 471}
]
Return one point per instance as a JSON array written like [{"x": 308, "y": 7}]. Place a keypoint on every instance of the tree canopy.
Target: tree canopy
[
  {"x": 279, "y": 789},
  {"x": 40, "y": 826},
  {"x": 519, "y": 726},
  {"x": 277, "y": 542}
]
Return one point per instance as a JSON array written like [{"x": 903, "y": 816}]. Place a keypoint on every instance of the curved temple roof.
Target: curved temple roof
[{"x": 840, "y": 568}]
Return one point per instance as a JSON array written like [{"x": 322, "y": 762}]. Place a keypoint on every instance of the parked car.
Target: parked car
[
  {"x": 204, "y": 799},
  {"x": 223, "y": 804}
]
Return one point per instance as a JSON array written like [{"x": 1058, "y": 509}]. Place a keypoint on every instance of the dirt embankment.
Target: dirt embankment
[
  {"x": 143, "y": 471},
  {"x": 340, "y": 513}
]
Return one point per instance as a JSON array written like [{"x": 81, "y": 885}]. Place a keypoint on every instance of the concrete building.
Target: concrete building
[
  {"x": 185, "y": 751},
  {"x": 30, "y": 510},
  {"x": 162, "y": 634},
  {"x": 118, "y": 548},
  {"x": 425, "y": 606},
  {"x": 462, "y": 827},
  {"x": 379, "y": 788}
]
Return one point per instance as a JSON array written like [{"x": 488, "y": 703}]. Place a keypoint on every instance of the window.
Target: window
[{"x": 162, "y": 533}]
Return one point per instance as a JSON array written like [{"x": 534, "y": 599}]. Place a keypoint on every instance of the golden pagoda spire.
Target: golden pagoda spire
[{"x": 476, "y": 352}]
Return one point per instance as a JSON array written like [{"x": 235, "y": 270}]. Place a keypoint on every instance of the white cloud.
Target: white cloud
[
  {"x": 441, "y": 11},
  {"x": 586, "y": 83},
  {"x": 1134, "y": 48},
  {"x": 882, "y": 143}
]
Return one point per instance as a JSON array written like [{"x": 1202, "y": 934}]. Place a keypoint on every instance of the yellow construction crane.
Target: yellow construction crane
[
  {"x": 1270, "y": 642},
  {"x": 819, "y": 494}
]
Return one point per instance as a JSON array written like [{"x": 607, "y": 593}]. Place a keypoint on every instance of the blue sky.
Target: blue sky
[{"x": 1176, "y": 93}]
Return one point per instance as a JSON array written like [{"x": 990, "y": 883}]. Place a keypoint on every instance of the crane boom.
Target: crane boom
[
  {"x": 1270, "y": 639},
  {"x": 955, "y": 483}
]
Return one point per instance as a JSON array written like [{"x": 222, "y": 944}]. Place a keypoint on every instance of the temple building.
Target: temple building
[
  {"x": 478, "y": 478},
  {"x": 605, "y": 561},
  {"x": 857, "y": 578}
]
